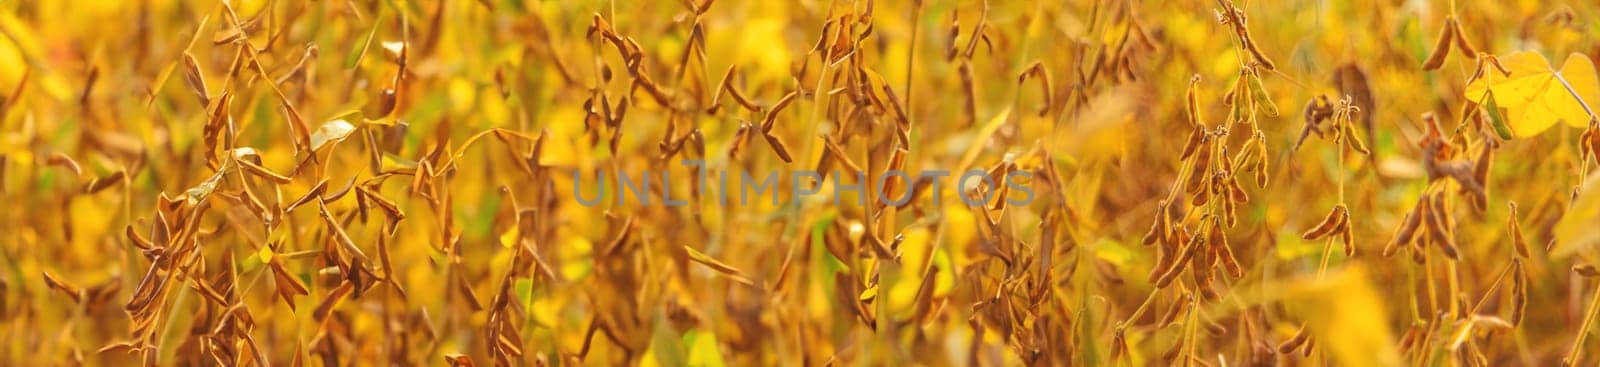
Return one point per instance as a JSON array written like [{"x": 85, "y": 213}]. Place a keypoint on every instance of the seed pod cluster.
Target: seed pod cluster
[
  {"x": 1439, "y": 161},
  {"x": 1343, "y": 116},
  {"x": 1450, "y": 34},
  {"x": 1335, "y": 224},
  {"x": 1189, "y": 231},
  {"x": 1232, "y": 15},
  {"x": 1432, "y": 218}
]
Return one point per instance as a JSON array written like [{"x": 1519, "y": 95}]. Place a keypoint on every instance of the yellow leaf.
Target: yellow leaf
[
  {"x": 566, "y": 123},
  {"x": 1536, "y": 96},
  {"x": 770, "y": 59},
  {"x": 703, "y": 349},
  {"x": 960, "y": 224},
  {"x": 917, "y": 251},
  {"x": 463, "y": 96},
  {"x": 510, "y": 236},
  {"x": 1347, "y": 317},
  {"x": 12, "y": 59},
  {"x": 546, "y": 311},
  {"x": 1575, "y": 232},
  {"x": 1113, "y": 252},
  {"x": 331, "y": 131},
  {"x": 91, "y": 219}
]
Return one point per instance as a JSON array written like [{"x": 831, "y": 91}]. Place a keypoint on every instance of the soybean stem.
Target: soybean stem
[{"x": 1583, "y": 331}]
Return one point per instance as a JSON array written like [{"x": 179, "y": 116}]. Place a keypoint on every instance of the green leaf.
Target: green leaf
[
  {"x": 524, "y": 288},
  {"x": 665, "y": 345},
  {"x": 356, "y": 53},
  {"x": 703, "y": 349}
]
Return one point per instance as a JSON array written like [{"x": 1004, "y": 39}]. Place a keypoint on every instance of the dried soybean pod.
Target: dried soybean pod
[
  {"x": 1594, "y": 140},
  {"x": 1299, "y": 338},
  {"x": 1354, "y": 139},
  {"x": 955, "y": 31},
  {"x": 1348, "y": 239},
  {"x": 969, "y": 85},
  {"x": 738, "y": 97},
  {"x": 1202, "y": 195},
  {"x": 59, "y": 159},
  {"x": 740, "y": 136},
  {"x": 1440, "y": 207},
  {"x": 1037, "y": 70},
  {"x": 1586, "y": 270},
  {"x": 1215, "y": 329},
  {"x": 1236, "y": 191},
  {"x": 1461, "y": 40},
  {"x": 103, "y": 183},
  {"x": 1480, "y": 172},
  {"x": 1201, "y": 273},
  {"x": 1246, "y": 158},
  {"x": 1493, "y": 61},
  {"x": 1519, "y": 292},
  {"x": 716, "y": 95},
  {"x": 1441, "y": 47},
  {"x": 772, "y": 115},
  {"x": 1119, "y": 341},
  {"x": 1164, "y": 259},
  {"x": 1178, "y": 264},
  {"x": 1333, "y": 221},
  {"x": 1255, "y": 50},
  {"x": 70, "y": 290},
  {"x": 1586, "y": 142},
  {"x": 1201, "y": 169},
  {"x": 1261, "y": 159},
  {"x": 1224, "y": 252},
  {"x": 1266, "y": 63},
  {"x": 1230, "y": 212},
  {"x": 1403, "y": 235},
  {"x": 1514, "y": 229},
  {"x": 1417, "y": 255},
  {"x": 1171, "y": 355},
  {"x": 1423, "y": 211},
  {"x": 1172, "y": 314},
  {"x": 1194, "y": 102},
  {"x": 1196, "y": 138},
  {"x": 1437, "y": 230},
  {"x": 778, "y": 147},
  {"x": 1158, "y": 229},
  {"x": 195, "y": 79},
  {"x": 1261, "y": 173}
]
